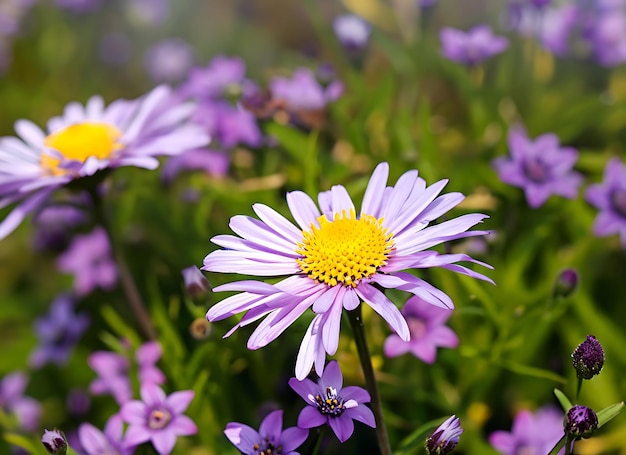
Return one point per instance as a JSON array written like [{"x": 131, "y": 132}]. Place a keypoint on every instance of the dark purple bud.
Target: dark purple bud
[
  {"x": 588, "y": 358},
  {"x": 445, "y": 438},
  {"x": 566, "y": 283},
  {"x": 54, "y": 442},
  {"x": 580, "y": 421}
]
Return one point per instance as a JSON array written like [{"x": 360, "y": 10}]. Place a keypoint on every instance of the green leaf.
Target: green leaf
[
  {"x": 24, "y": 442},
  {"x": 565, "y": 403},
  {"x": 559, "y": 445},
  {"x": 532, "y": 371},
  {"x": 609, "y": 413}
]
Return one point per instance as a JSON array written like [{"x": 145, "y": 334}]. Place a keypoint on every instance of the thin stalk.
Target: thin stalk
[
  {"x": 356, "y": 321},
  {"x": 129, "y": 286}
]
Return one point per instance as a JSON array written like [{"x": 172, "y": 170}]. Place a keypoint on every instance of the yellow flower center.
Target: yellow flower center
[
  {"x": 81, "y": 141},
  {"x": 344, "y": 250}
]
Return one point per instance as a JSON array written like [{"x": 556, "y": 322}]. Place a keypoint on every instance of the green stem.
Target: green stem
[
  {"x": 578, "y": 387},
  {"x": 356, "y": 321},
  {"x": 128, "y": 283}
]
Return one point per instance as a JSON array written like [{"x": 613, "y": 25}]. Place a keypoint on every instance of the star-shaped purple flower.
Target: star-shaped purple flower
[
  {"x": 26, "y": 410},
  {"x": 541, "y": 167},
  {"x": 330, "y": 403},
  {"x": 472, "y": 47},
  {"x": 270, "y": 438},
  {"x": 609, "y": 197},
  {"x": 158, "y": 418},
  {"x": 109, "y": 441},
  {"x": 428, "y": 331}
]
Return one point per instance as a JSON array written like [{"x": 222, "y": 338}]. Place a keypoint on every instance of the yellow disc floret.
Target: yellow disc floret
[
  {"x": 344, "y": 250},
  {"x": 81, "y": 141}
]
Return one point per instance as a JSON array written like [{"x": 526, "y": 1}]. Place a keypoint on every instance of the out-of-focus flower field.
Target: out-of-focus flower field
[{"x": 464, "y": 230}]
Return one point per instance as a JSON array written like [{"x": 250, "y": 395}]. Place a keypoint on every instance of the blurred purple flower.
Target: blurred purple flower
[
  {"x": 27, "y": 410},
  {"x": 303, "y": 92},
  {"x": 115, "y": 48},
  {"x": 87, "y": 139},
  {"x": 107, "y": 442},
  {"x": 213, "y": 81},
  {"x": 79, "y": 6},
  {"x": 556, "y": 28},
  {"x": 113, "y": 375},
  {"x": 472, "y": 47},
  {"x": 169, "y": 60},
  {"x": 609, "y": 197},
  {"x": 147, "y": 355},
  {"x": 58, "y": 333},
  {"x": 334, "y": 259},
  {"x": 541, "y": 167},
  {"x": 445, "y": 438},
  {"x": 77, "y": 402},
  {"x": 228, "y": 125},
  {"x": 331, "y": 403},
  {"x": 352, "y": 32},
  {"x": 158, "y": 418},
  {"x": 53, "y": 226},
  {"x": 428, "y": 331},
  {"x": 148, "y": 12},
  {"x": 271, "y": 439},
  {"x": 532, "y": 433},
  {"x": 89, "y": 259},
  {"x": 212, "y": 162},
  {"x": 608, "y": 38},
  {"x": 11, "y": 14}
]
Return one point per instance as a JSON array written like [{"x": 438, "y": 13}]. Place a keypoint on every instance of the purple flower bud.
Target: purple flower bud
[
  {"x": 54, "y": 442},
  {"x": 445, "y": 438},
  {"x": 566, "y": 283},
  {"x": 580, "y": 421},
  {"x": 196, "y": 283},
  {"x": 588, "y": 358}
]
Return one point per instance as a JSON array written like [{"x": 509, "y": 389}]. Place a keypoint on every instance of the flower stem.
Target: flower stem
[
  {"x": 128, "y": 283},
  {"x": 356, "y": 321}
]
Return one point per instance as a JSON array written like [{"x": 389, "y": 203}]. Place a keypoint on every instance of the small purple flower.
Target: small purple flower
[
  {"x": 158, "y": 418},
  {"x": 607, "y": 35},
  {"x": 213, "y": 81},
  {"x": 27, "y": 410},
  {"x": 445, "y": 438},
  {"x": 556, "y": 26},
  {"x": 331, "y": 403},
  {"x": 58, "y": 333},
  {"x": 147, "y": 356},
  {"x": 113, "y": 375},
  {"x": 53, "y": 226},
  {"x": 89, "y": 260},
  {"x": 213, "y": 162},
  {"x": 107, "y": 442},
  {"x": 541, "y": 167},
  {"x": 609, "y": 197},
  {"x": 535, "y": 433},
  {"x": 169, "y": 60},
  {"x": 271, "y": 439},
  {"x": 303, "y": 92},
  {"x": 54, "y": 441},
  {"x": 580, "y": 421},
  {"x": 566, "y": 283},
  {"x": 352, "y": 32},
  {"x": 428, "y": 331},
  {"x": 588, "y": 358},
  {"x": 228, "y": 125},
  {"x": 472, "y": 47},
  {"x": 196, "y": 284}
]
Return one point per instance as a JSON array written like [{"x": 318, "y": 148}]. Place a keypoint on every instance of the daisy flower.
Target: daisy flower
[
  {"x": 335, "y": 259},
  {"x": 86, "y": 139}
]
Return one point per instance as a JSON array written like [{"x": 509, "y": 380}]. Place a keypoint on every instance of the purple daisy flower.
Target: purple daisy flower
[
  {"x": 27, "y": 410},
  {"x": 58, "y": 333},
  {"x": 335, "y": 259},
  {"x": 158, "y": 418},
  {"x": 609, "y": 197},
  {"x": 331, "y": 403},
  {"x": 213, "y": 81},
  {"x": 472, "y": 47},
  {"x": 89, "y": 259},
  {"x": 445, "y": 437},
  {"x": 86, "y": 139},
  {"x": 303, "y": 92},
  {"x": 541, "y": 167},
  {"x": 109, "y": 441},
  {"x": 270, "y": 439},
  {"x": 428, "y": 331},
  {"x": 532, "y": 433}
]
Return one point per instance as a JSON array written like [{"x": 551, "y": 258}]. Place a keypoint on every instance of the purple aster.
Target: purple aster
[
  {"x": 26, "y": 410},
  {"x": 58, "y": 333},
  {"x": 86, "y": 139},
  {"x": 89, "y": 259},
  {"x": 228, "y": 125},
  {"x": 331, "y": 403},
  {"x": 609, "y": 197},
  {"x": 270, "y": 439},
  {"x": 541, "y": 167},
  {"x": 212, "y": 162},
  {"x": 107, "y": 442},
  {"x": 556, "y": 27},
  {"x": 607, "y": 36},
  {"x": 303, "y": 92},
  {"x": 532, "y": 433},
  {"x": 113, "y": 375},
  {"x": 158, "y": 418},
  {"x": 335, "y": 259},
  {"x": 472, "y": 47},
  {"x": 352, "y": 32},
  {"x": 169, "y": 60},
  {"x": 445, "y": 437},
  {"x": 147, "y": 355},
  {"x": 214, "y": 80},
  {"x": 428, "y": 331}
]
